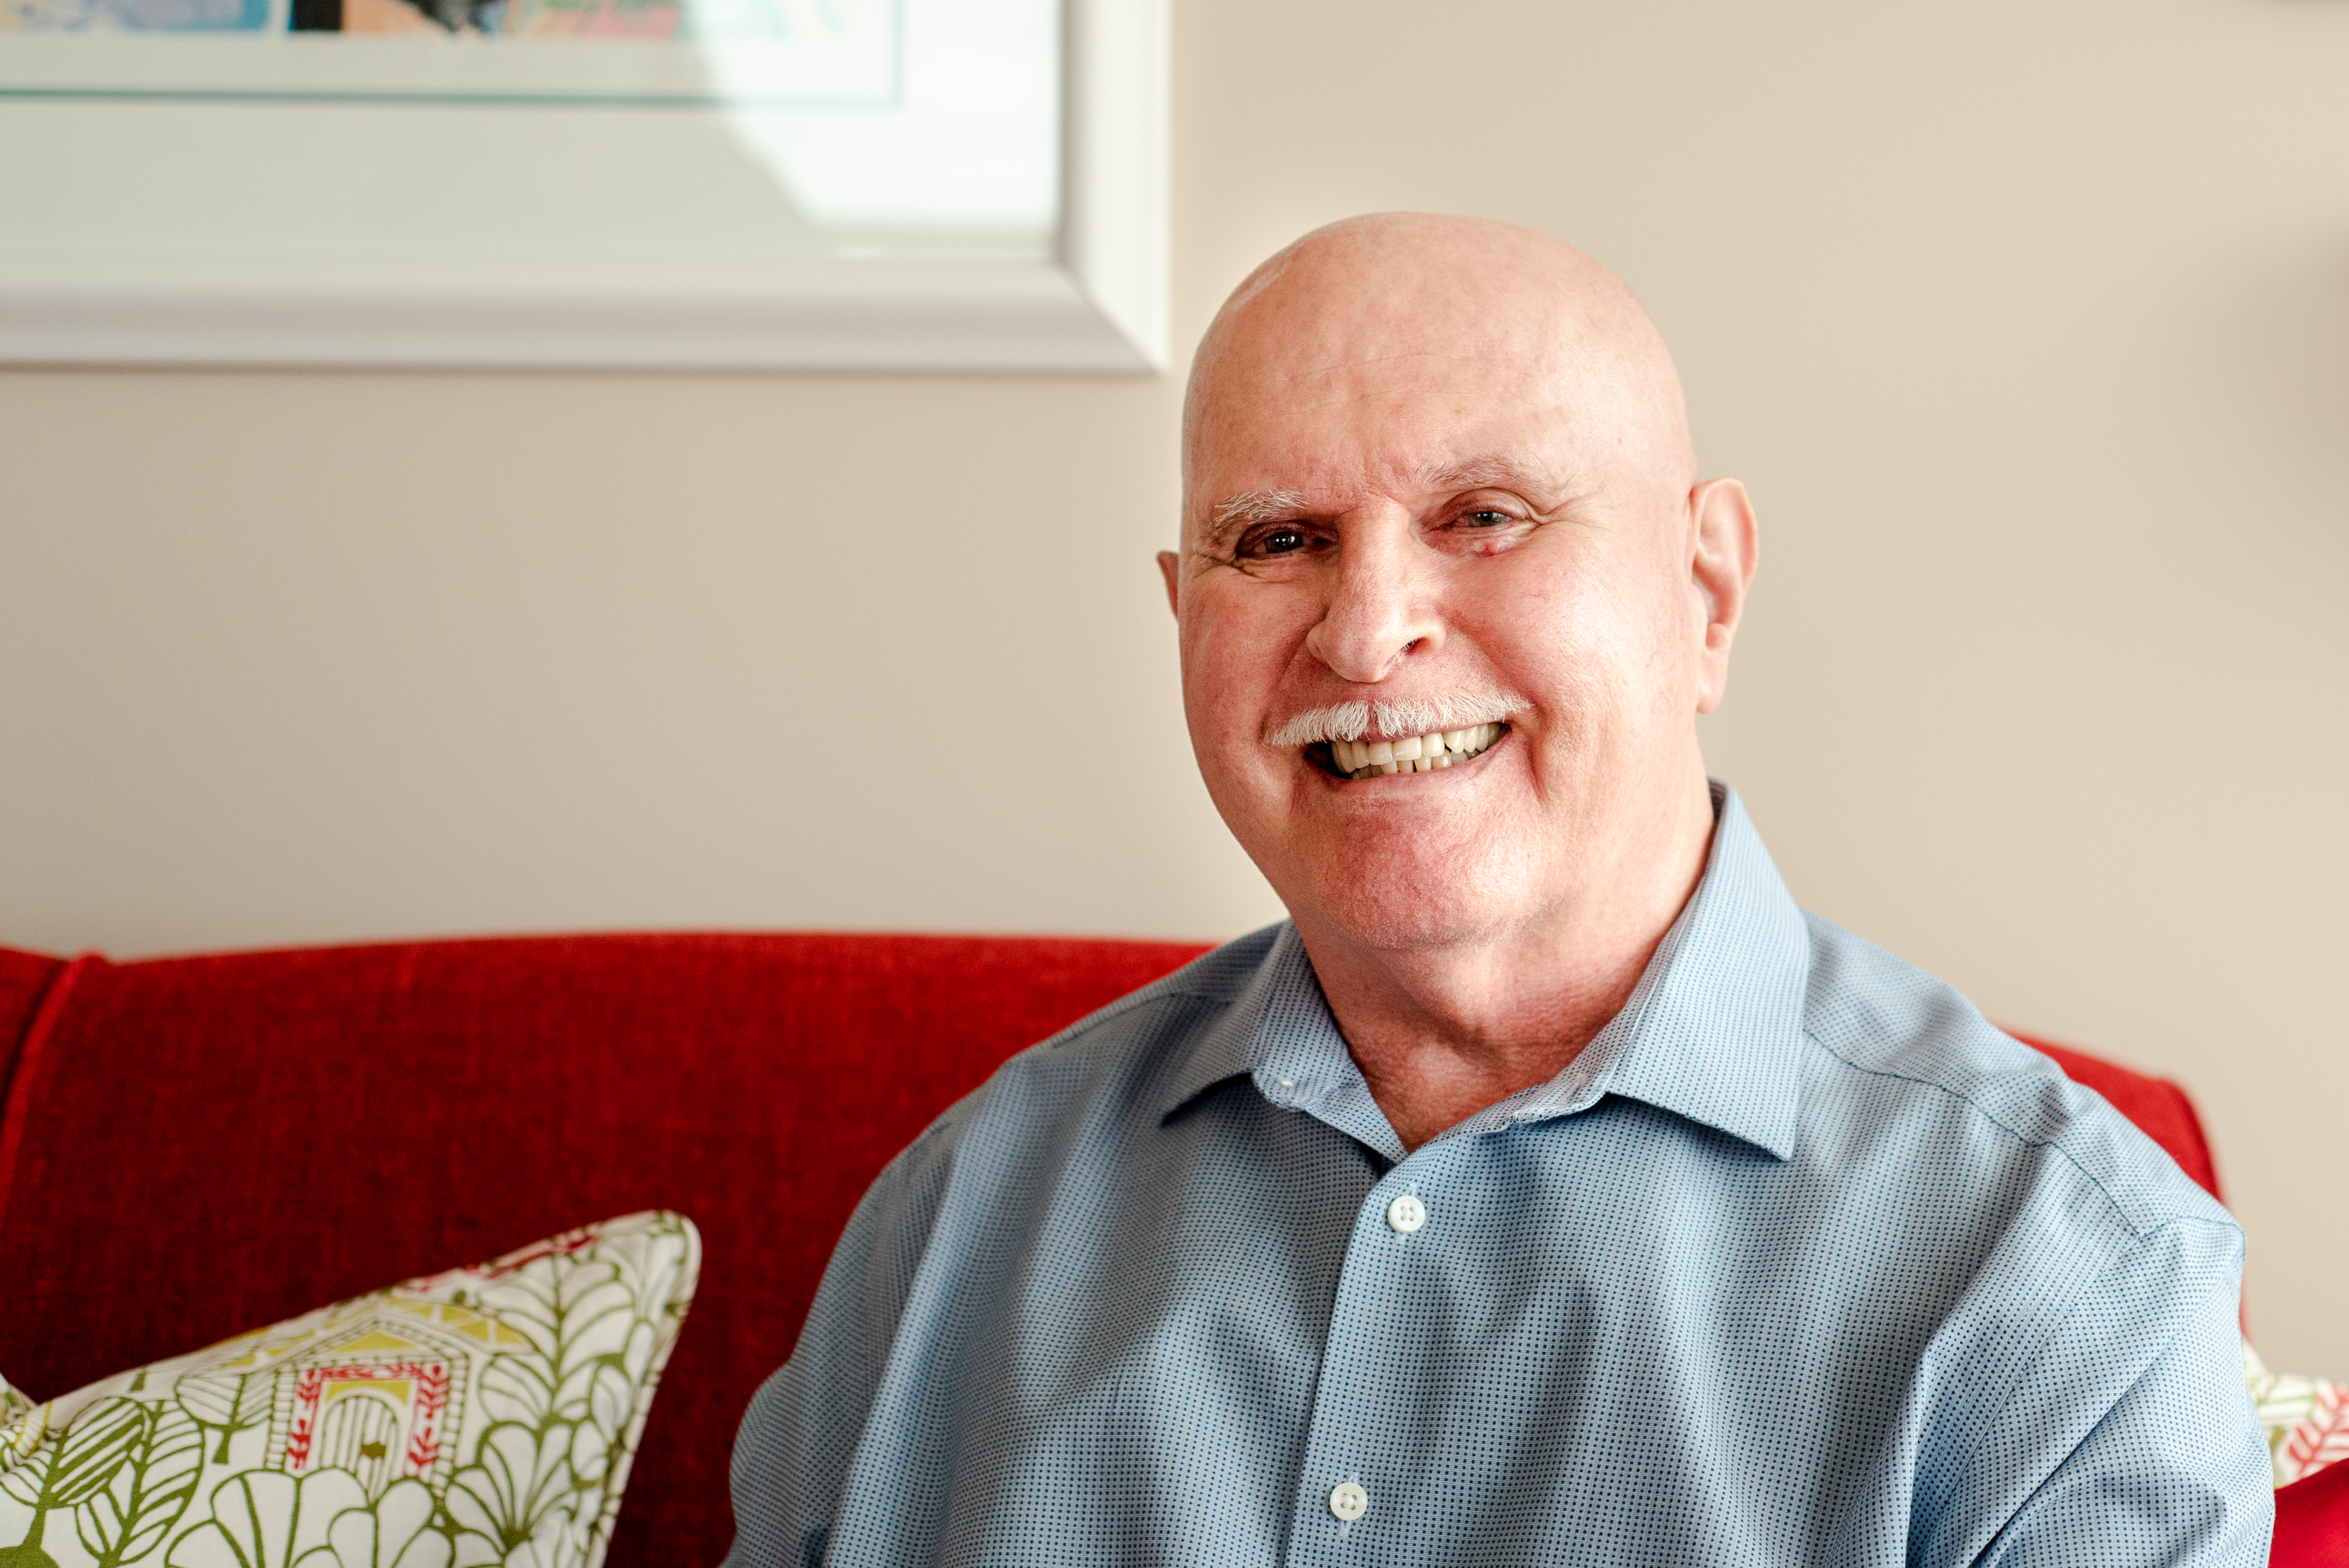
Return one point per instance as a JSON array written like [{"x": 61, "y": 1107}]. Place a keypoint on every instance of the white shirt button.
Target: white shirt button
[
  {"x": 1349, "y": 1502},
  {"x": 1406, "y": 1214}
]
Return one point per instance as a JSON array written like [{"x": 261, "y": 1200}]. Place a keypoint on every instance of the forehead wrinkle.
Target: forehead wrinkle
[{"x": 1363, "y": 361}]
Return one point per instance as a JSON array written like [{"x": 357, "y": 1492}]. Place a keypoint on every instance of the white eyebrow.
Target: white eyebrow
[{"x": 1256, "y": 506}]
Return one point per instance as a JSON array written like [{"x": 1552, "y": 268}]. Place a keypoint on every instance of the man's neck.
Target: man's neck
[{"x": 1442, "y": 1032}]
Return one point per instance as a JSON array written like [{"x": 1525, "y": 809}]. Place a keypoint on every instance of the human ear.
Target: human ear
[
  {"x": 1726, "y": 547},
  {"x": 1170, "y": 566}
]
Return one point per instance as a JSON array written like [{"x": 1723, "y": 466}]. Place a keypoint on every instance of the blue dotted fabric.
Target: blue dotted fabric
[{"x": 1800, "y": 1261}]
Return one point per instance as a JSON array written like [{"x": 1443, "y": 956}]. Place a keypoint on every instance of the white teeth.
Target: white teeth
[{"x": 1412, "y": 753}]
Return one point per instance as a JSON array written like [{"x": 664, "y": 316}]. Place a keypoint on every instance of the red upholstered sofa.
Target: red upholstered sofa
[{"x": 194, "y": 1147}]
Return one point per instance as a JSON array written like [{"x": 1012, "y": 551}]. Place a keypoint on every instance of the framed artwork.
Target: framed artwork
[{"x": 935, "y": 184}]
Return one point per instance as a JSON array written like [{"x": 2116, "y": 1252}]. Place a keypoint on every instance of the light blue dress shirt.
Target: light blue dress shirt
[{"x": 1800, "y": 1261}]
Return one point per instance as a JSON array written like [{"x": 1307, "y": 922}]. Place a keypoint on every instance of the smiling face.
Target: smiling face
[{"x": 1437, "y": 482}]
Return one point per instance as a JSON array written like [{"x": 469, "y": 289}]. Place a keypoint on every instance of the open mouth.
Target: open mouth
[{"x": 1427, "y": 753}]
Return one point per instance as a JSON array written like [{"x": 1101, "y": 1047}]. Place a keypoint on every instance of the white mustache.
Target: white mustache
[{"x": 1405, "y": 715}]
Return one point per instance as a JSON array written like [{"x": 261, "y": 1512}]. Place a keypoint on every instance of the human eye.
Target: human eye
[
  {"x": 1274, "y": 539},
  {"x": 1486, "y": 524}
]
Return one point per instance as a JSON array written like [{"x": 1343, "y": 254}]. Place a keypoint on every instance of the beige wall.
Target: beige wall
[{"x": 2028, "y": 323}]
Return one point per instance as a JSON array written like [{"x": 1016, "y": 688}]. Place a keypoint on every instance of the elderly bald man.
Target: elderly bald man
[{"x": 1549, "y": 1189}]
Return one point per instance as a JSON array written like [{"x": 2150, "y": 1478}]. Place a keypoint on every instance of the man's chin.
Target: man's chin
[{"x": 1407, "y": 913}]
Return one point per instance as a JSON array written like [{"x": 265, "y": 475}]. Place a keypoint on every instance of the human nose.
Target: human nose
[{"x": 1380, "y": 610}]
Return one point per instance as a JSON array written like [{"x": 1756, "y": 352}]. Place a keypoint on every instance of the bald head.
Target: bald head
[{"x": 1372, "y": 307}]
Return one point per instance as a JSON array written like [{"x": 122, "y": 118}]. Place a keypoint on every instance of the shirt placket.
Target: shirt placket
[{"x": 1353, "y": 1498}]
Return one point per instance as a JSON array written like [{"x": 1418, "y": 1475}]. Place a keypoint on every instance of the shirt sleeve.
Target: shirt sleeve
[
  {"x": 2174, "y": 1471},
  {"x": 792, "y": 1453}
]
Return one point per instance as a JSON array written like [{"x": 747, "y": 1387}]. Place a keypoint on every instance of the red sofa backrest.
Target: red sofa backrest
[{"x": 190, "y": 1147}]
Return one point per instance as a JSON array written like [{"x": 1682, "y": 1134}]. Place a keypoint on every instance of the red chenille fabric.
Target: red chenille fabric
[
  {"x": 209, "y": 1145},
  {"x": 2312, "y": 1527},
  {"x": 24, "y": 978},
  {"x": 190, "y": 1147}
]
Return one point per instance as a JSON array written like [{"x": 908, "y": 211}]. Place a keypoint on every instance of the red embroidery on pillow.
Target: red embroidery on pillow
[{"x": 418, "y": 1390}]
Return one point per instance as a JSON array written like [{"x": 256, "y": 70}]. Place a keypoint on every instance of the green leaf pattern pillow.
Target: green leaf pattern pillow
[{"x": 482, "y": 1415}]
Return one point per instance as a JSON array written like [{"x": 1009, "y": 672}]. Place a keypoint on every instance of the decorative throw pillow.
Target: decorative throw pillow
[
  {"x": 486, "y": 1414},
  {"x": 2307, "y": 1419}
]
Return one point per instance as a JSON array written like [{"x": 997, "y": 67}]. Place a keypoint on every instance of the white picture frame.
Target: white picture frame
[{"x": 1091, "y": 301}]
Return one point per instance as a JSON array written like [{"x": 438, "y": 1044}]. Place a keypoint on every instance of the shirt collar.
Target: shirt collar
[
  {"x": 1278, "y": 1028},
  {"x": 1712, "y": 1032}
]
